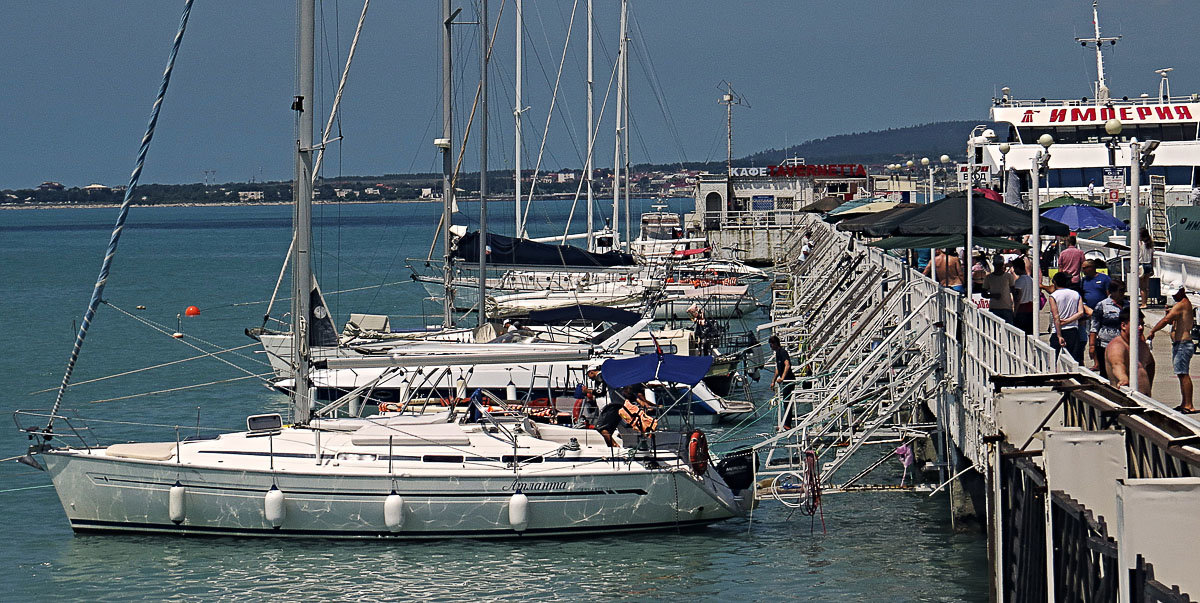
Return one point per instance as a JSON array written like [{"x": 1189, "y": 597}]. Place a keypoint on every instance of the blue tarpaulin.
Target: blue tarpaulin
[
  {"x": 585, "y": 312},
  {"x": 670, "y": 368}
]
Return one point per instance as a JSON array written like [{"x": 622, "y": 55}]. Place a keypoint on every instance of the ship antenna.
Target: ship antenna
[{"x": 1101, "y": 91}]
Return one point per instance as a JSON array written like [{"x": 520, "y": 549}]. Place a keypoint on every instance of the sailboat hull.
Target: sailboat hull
[{"x": 103, "y": 494}]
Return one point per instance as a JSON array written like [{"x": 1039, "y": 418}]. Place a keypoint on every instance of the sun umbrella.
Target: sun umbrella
[
  {"x": 1063, "y": 200},
  {"x": 987, "y": 193},
  {"x": 1084, "y": 217},
  {"x": 943, "y": 241},
  {"x": 949, "y": 216}
]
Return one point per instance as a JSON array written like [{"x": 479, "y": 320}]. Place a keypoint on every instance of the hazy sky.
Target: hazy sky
[{"x": 79, "y": 77}]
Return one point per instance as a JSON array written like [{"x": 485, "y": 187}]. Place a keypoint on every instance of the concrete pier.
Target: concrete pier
[{"x": 1087, "y": 491}]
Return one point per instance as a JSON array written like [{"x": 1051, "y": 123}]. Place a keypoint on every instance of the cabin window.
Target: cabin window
[{"x": 442, "y": 458}]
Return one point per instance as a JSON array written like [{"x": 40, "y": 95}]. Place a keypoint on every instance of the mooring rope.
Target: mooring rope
[{"x": 106, "y": 265}]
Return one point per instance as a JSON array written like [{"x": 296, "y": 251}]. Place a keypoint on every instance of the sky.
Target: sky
[{"x": 79, "y": 78}]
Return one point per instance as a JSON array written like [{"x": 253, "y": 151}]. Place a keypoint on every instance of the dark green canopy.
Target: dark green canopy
[
  {"x": 1069, "y": 200},
  {"x": 944, "y": 241}
]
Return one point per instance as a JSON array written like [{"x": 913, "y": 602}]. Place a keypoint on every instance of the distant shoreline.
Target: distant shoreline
[{"x": 219, "y": 204}]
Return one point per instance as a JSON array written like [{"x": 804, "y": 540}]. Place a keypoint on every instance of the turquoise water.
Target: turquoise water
[{"x": 894, "y": 547}]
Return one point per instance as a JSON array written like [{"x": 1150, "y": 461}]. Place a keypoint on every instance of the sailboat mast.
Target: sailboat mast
[
  {"x": 481, "y": 309},
  {"x": 517, "y": 115},
  {"x": 625, "y": 115},
  {"x": 445, "y": 143},
  {"x": 617, "y": 137},
  {"x": 591, "y": 136},
  {"x": 302, "y": 279}
]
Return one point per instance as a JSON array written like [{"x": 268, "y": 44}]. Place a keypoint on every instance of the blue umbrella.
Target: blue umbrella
[{"x": 1083, "y": 217}]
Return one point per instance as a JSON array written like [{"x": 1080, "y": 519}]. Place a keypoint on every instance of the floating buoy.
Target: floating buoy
[
  {"x": 192, "y": 311},
  {"x": 177, "y": 335},
  {"x": 273, "y": 507},
  {"x": 177, "y": 503},
  {"x": 393, "y": 512},
  {"x": 518, "y": 511},
  {"x": 141, "y": 307}
]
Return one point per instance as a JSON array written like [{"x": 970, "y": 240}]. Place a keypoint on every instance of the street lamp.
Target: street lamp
[
  {"x": 1113, "y": 127},
  {"x": 970, "y": 243},
  {"x": 1041, "y": 161},
  {"x": 1004, "y": 149}
]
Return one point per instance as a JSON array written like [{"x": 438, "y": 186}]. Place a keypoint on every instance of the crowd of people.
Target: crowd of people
[{"x": 1089, "y": 310}]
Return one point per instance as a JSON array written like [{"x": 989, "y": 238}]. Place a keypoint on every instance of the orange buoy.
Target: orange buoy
[{"x": 192, "y": 311}]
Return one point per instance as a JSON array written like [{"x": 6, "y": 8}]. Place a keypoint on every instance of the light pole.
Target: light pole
[
  {"x": 1041, "y": 161},
  {"x": 1004, "y": 149},
  {"x": 970, "y": 242},
  {"x": 1137, "y": 162},
  {"x": 1113, "y": 127}
]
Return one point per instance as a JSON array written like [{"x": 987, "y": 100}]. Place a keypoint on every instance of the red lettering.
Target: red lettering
[
  {"x": 1125, "y": 113},
  {"x": 1058, "y": 115},
  {"x": 1164, "y": 112},
  {"x": 1107, "y": 113},
  {"x": 1143, "y": 112},
  {"x": 1183, "y": 112},
  {"x": 1083, "y": 115}
]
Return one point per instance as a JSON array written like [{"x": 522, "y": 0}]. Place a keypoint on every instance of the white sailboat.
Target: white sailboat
[{"x": 393, "y": 475}]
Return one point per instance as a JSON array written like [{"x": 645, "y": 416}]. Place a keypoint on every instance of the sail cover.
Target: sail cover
[
  {"x": 619, "y": 372},
  {"x": 585, "y": 312},
  {"x": 508, "y": 250}
]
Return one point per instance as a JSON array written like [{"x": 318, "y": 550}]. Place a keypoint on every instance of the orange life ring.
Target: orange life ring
[
  {"x": 698, "y": 452},
  {"x": 390, "y": 406}
]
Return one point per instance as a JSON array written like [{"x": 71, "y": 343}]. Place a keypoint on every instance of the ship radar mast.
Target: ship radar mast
[{"x": 1101, "y": 92}]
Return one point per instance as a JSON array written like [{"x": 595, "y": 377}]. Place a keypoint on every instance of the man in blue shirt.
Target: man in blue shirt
[{"x": 1094, "y": 285}]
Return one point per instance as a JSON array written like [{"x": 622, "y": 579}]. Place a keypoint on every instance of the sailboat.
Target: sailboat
[{"x": 458, "y": 473}]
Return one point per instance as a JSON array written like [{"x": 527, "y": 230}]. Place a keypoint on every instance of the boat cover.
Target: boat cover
[
  {"x": 619, "y": 372},
  {"x": 585, "y": 312},
  {"x": 509, "y": 250}
]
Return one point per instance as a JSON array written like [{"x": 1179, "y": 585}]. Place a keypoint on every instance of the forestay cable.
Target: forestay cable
[{"x": 106, "y": 265}]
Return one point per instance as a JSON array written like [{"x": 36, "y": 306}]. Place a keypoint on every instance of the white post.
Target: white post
[
  {"x": 1134, "y": 288},
  {"x": 483, "y": 159},
  {"x": 1035, "y": 240},
  {"x": 302, "y": 280}
]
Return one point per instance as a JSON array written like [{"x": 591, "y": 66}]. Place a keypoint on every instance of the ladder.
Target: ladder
[{"x": 1160, "y": 231}]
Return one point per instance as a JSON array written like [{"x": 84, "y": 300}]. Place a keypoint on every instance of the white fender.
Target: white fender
[
  {"x": 393, "y": 512},
  {"x": 510, "y": 392},
  {"x": 518, "y": 511},
  {"x": 460, "y": 388},
  {"x": 273, "y": 506},
  {"x": 177, "y": 503}
]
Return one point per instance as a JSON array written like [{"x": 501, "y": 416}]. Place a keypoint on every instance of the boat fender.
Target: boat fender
[
  {"x": 177, "y": 503},
  {"x": 393, "y": 512},
  {"x": 273, "y": 506},
  {"x": 510, "y": 392},
  {"x": 460, "y": 389},
  {"x": 698, "y": 452},
  {"x": 518, "y": 511}
]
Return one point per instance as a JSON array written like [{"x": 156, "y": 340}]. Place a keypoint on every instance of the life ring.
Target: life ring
[
  {"x": 698, "y": 452},
  {"x": 390, "y": 407}
]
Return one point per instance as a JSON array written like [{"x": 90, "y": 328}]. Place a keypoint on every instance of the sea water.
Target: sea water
[{"x": 225, "y": 261}]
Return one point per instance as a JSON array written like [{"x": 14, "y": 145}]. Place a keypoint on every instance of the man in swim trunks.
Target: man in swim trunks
[{"x": 1182, "y": 318}]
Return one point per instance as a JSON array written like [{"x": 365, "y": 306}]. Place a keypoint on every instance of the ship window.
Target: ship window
[
  {"x": 1070, "y": 177},
  {"x": 1090, "y": 134},
  {"x": 1013, "y": 136},
  {"x": 1068, "y": 134},
  {"x": 1172, "y": 132}
]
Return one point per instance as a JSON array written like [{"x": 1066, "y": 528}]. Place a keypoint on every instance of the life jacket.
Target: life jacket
[{"x": 637, "y": 418}]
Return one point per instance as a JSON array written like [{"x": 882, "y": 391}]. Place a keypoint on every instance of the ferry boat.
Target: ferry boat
[{"x": 1083, "y": 151}]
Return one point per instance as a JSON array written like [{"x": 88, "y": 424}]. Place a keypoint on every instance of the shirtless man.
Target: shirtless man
[
  {"x": 949, "y": 270},
  {"x": 1117, "y": 357},
  {"x": 1181, "y": 318}
]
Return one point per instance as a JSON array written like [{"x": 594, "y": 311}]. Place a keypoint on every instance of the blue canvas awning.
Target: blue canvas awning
[
  {"x": 585, "y": 312},
  {"x": 619, "y": 372}
]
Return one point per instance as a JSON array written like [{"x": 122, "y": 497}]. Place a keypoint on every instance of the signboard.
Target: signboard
[
  {"x": 1114, "y": 196},
  {"x": 1097, "y": 114},
  {"x": 1114, "y": 178},
  {"x": 833, "y": 170}
]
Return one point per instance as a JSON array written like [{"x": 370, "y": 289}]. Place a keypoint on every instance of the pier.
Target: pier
[{"x": 1087, "y": 492}]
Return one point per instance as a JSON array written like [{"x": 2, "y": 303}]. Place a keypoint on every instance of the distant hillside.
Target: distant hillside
[{"x": 882, "y": 146}]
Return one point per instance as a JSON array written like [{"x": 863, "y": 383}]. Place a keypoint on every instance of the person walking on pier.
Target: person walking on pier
[
  {"x": 1117, "y": 357},
  {"x": 1182, "y": 318},
  {"x": 1025, "y": 294},
  {"x": 1066, "y": 307},
  {"x": 1000, "y": 285},
  {"x": 1145, "y": 264},
  {"x": 1070, "y": 260},
  {"x": 784, "y": 378},
  {"x": 1106, "y": 325}
]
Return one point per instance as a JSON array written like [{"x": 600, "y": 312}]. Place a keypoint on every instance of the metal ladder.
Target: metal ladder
[{"x": 1160, "y": 230}]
